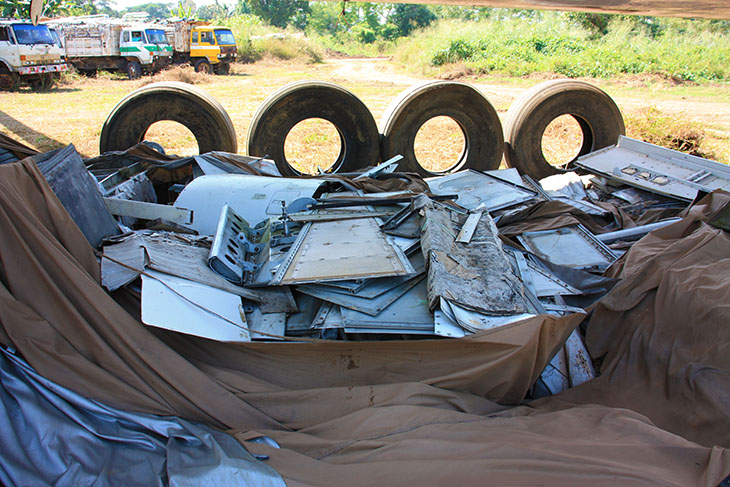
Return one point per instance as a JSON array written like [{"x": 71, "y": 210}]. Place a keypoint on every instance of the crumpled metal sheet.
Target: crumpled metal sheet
[
  {"x": 476, "y": 275},
  {"x": 50, "y": 435}
]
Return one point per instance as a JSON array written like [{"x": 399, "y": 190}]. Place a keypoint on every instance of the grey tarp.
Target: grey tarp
[
  {"x": 64, "y": 439},
  {"x": 346, "y": 413}
]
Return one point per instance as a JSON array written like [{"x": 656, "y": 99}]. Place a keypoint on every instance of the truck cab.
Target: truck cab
[
  {"x": 28, "y": 53},
  {"x": 146, "y": 48},
  {"x": 212, "y": 48}
]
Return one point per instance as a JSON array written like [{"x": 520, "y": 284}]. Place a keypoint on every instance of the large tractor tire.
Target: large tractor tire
[
  {"x": 280, "y": 112},
  {"x": 464, "y": 104},
  {"x": 599, "y": 119},
  {"x": 192, "y": 107}
]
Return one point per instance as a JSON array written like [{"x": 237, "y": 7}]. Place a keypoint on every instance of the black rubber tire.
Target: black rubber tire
[
  {"x": 134, "y": 70},
  {"x": 203, "y": 66},
  {"x": 9, "y": 81},
  {"x": 461, "y": 102},
  {"x": 303, "y": 100},
  {"x": 129, "y": 120},
  {"x": 599, "y": 118},
  {"x": 222, "y": 68},
  {"x": 42, "y": 82}
]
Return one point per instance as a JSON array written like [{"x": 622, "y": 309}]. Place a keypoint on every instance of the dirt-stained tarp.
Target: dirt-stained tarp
[{"x": 430, "y": 412}]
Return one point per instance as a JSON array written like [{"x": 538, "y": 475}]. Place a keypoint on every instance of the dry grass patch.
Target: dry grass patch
[
  {"x": 678, "y": 133},
  {"x": 183, "y": 73}
]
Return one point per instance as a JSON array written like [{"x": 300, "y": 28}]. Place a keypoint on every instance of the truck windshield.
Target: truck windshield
[
  {"x": 32, "y": 34},
  {"x": 156, "y": 36},
  {"x": 224, "y": 37},
  {"x": 56, "y": 37}
]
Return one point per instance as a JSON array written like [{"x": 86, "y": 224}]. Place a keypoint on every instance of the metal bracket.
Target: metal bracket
[{"x": 238, "y": 249}]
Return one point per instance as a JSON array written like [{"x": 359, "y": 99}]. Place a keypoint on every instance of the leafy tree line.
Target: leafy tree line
[
  {"x": 356, "y": 21},
  {"x": 20, "y": 9}
]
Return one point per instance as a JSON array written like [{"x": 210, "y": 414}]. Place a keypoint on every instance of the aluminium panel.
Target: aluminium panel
[
  {"x": 572, "y": 246},
  {"x": 374, "y": 287},
  {"x": 511, "y": 175},
  {"x": 477, "y": 275},
  {"x": 365, "y": 305},
  {"x": 541, "y": 282},
  {"x": 192, "y": 308},
  {"x": 266, "y": 326},
  {"x": 555, "y": 377},
  {"x": 302, "y": 321},
  {"x": 474, "y": 322},
  {"x": 445, "y": 326},
  {"x": 657, "y": 169},
  {"x": 255, "y": 198},
  {"x": 407, "y": 314},
  {"x": 342, "y": 250},
  {"x": 475, "y": 188},
  {"x": 580, "y": 367}
]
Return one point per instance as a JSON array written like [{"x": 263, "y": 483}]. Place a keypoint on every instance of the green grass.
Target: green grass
[
  {"x": 553, "y": 44},
  {"x": 255, "y": 41}
]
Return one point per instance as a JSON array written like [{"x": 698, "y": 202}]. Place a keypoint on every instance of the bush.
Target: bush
[
  {"x": 677, "y": 133},
  {"x": 516, "y": 45}
]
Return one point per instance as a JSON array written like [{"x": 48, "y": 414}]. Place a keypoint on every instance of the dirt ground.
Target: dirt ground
[{"x": 75, "y": 112}]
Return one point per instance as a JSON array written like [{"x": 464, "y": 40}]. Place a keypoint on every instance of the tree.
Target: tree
[
  {"x": 155, "y": 10},
  {"x": 596, "y": 24},
  {"x": 214, "y": 11},
  {"x": 278, "y": 13},
  {"x": 20, "y": 9},
  {"x": 408, "y": 16}
]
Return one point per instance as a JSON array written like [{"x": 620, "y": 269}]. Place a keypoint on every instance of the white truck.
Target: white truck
[
  {"x": 100, "y": 42},
  {"x": 28, "y": 54}
]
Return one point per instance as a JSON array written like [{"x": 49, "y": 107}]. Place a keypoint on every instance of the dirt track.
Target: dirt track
[
  {"x": 74, "y": 113},
  {"x": 381, "y": 70}
]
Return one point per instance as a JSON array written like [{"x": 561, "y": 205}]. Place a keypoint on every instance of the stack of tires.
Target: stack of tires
[{"x": 362, "y": 144}]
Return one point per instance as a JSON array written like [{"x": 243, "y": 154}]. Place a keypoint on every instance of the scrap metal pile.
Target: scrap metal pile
[
  {"x": 380, "y": 325},
  {"x": 243, "y": 254}
]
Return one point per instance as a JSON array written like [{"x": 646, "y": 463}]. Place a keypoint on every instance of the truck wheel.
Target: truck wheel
[
  {"x": 597, "y": 115},
  {"x": 303, "y": 100},
  {"x": 42, "y": 82},
  {"x": 203, "y": 66},
  {"x": 464, "y": 104},
  {"x": 188, "y": 105},
  {"x": 134, "y": 69},
  {"x": 8, "y": 80},
  {"x": 222, "y": 68}
]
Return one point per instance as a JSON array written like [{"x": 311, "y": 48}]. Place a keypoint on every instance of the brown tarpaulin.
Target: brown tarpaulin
[
  {"x": 356, "y": 413},
  {"x": 664, "y": 330},
  {"x": 20, "y": 150}
]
